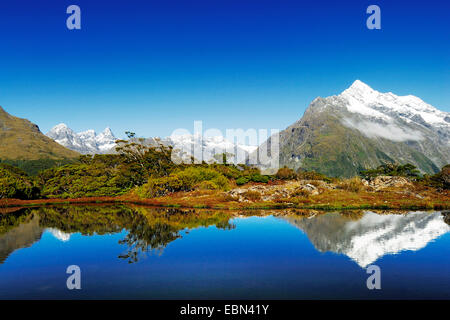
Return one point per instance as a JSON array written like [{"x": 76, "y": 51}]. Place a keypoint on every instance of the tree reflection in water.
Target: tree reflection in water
[{"x": 148, "y": 229}]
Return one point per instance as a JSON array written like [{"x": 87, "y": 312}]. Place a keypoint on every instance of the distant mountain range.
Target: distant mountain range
[
  {"x": 22, "y": 140},
  {"x": 362, "y": 128},
  {"x": 212, "y": 147},
  {"x": 86, "y": 142}
]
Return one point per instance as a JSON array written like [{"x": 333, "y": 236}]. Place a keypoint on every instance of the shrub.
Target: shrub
[
  {"x": 192, "y": 176},
  {"x": 184, "y": 180},
  {"x": 15, "y": 183},
  {"x": 206, "y": 185},
  {"x": 252, "y": 195},
  {"x": 242, "y": 180},
  {"x": 353, "y": 184},
  {"x": 286, "y": 173},
  {"x": 89, "y": 179},
  {"x": 311, "y": 175},
  {"x": 256, "y": 177},
  {"x": 440, "y": 180},
  {"x": 392, "y": 169},
  {"x": 229, "y": 171},
  {"x": 225, "y": 197},
  {"x": 158, "y": 187},
  {"x": 301, "y": 193},
  {"x": 259, "y": 178},
  {"x": 221, "y": 182}
]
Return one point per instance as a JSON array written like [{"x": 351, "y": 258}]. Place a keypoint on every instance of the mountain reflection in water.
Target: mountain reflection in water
[
  {"x": 366, "y": 237},
  {"x": 362, "y": 236}
]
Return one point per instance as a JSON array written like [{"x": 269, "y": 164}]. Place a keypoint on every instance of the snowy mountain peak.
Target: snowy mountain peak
[
  {"x": 361, "y": 92},
  {"x": 62, "y": 127},
  {"x": 107, "y": 131},
  {"x": 84, "y": 142},
  {"x": 106, "y": 134},
  {"x": 360, "y": 87},
  {"x": 361, "y": 99}
]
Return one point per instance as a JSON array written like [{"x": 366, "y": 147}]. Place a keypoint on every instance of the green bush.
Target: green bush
[
  {"x": 255, "y": 177},
  {"x": 184, "y": 180},
  {"x": 229, "y": 171},
  {"x": 259, "y": 178},
  {"x": 15, "y": 183},
  {"x": 392, "y": 169},
  {"x": 103, "y": 176},
  {"x": 206, "y": 185},
  {"x": 242, "y": 180},
  {"x": 440, "y": 180}
]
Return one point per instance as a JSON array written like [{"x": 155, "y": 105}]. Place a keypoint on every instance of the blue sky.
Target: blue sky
[{"x": 154, "y": 66}]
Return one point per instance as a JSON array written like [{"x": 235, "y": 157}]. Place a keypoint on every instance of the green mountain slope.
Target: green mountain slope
[{"x": 322, "y": 143}]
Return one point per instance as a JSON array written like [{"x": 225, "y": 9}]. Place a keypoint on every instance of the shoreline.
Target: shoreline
[{"x": 172, "y": 203}]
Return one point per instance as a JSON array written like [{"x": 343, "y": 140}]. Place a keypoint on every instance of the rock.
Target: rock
[
  {"x": 278, "y": 191},
  {"x": 446, "y": 215},
  {"x": 382, "y": 182},
  {"x": 309, "y": 188}
]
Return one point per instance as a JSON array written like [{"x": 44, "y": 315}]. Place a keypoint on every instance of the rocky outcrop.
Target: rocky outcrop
[
  {"x": 383, "y": 182},
  {"x": 280, "y": 191}
]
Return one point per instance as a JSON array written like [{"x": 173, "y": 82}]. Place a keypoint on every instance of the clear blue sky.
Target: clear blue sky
[{"x": 154, "y": 66}]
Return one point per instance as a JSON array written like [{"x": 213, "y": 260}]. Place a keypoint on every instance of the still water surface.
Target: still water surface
[{"x": 149, "y": 253}]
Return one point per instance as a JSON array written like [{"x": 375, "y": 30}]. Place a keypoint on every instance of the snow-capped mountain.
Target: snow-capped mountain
[
  {"x": 86, "y": 142},
  {"x": 388, "y": 112},
  {"x": 373, "y": 236},
  {"x": 202, "y": 148},
  {"x": 362, "y": 128},
  {"x": 209, "y": 148}
]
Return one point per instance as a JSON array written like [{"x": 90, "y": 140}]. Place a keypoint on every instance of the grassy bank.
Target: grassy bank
[{"x": 212, "y": 199}]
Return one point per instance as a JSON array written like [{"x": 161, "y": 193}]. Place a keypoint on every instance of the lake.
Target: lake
[{"x": 133, "y": 252}]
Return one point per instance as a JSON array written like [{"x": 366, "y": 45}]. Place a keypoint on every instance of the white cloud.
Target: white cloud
[{"x": 386, "y": 131}]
